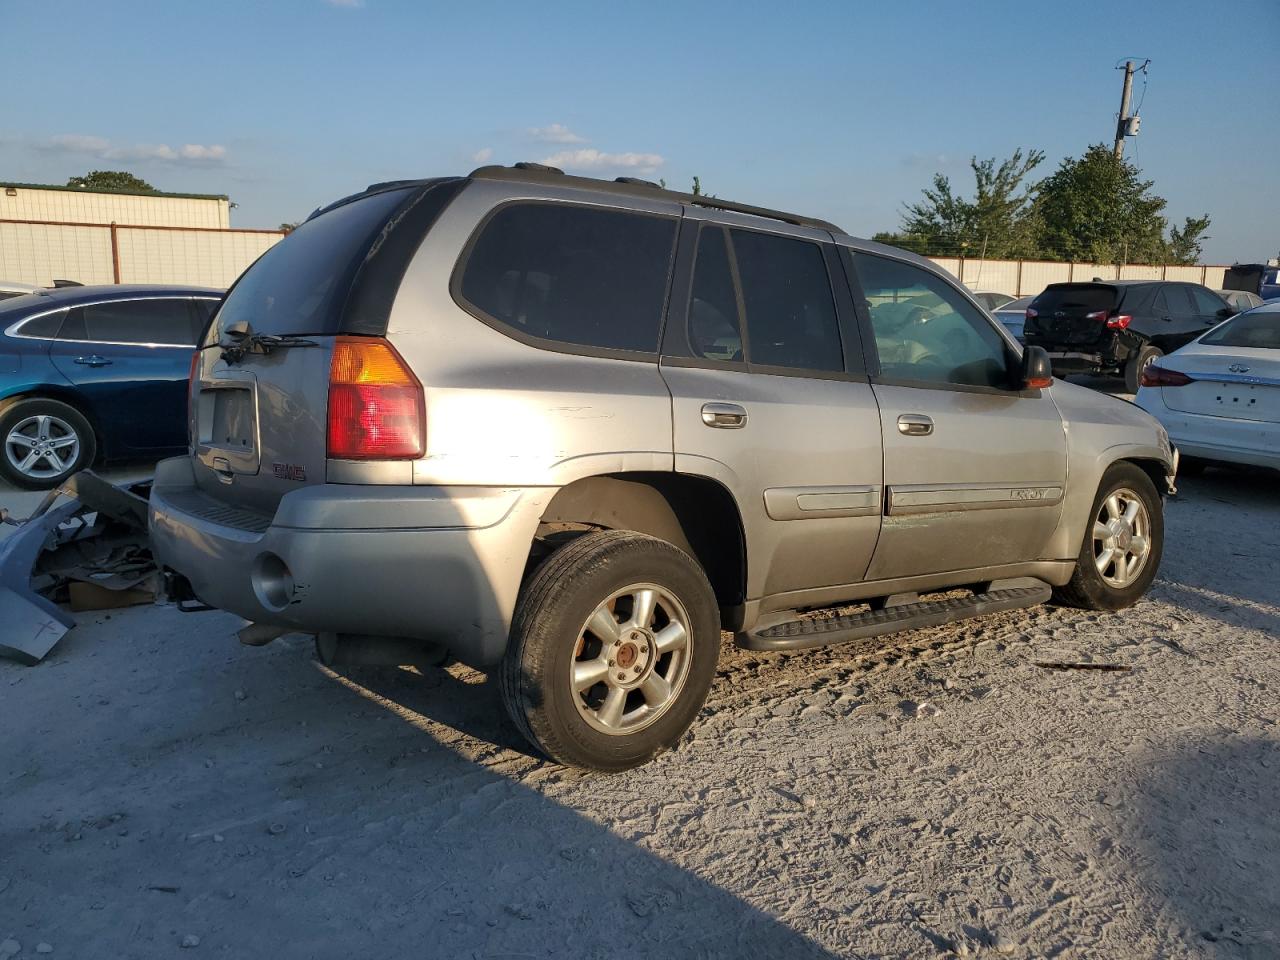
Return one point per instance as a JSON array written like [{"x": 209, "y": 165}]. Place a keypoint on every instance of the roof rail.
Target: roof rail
[{"x": 633, "y": 186}]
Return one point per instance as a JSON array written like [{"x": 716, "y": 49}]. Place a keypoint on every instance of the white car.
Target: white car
[{"x": 1219, "y": 396}]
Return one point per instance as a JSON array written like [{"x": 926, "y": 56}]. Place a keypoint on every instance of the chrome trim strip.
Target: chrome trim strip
[
  {"x": 946, "y": 498},
  {"x": 811, "y": 503},
  {"x": 1239, "y": 378},
  {"x": 13, "y": 328}
]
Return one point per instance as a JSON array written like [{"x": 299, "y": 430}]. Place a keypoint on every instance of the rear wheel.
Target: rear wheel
[
  {"x": 45, "y": 441},
  {"x": 1122, "y": 544},
  {"x": 1137, "y": 364},
  {"x": 612, "y": 651}
]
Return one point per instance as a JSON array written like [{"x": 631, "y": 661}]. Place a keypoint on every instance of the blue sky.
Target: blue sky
[{"x": 837, "y": 109}]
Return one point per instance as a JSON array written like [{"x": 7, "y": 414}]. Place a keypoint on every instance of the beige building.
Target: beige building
[{"x": 50, "y": 233}]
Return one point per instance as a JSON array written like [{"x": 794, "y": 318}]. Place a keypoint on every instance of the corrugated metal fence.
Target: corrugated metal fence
[
  {"x": 1021, "y": 278},
  {"x": 39, "y": 252}
]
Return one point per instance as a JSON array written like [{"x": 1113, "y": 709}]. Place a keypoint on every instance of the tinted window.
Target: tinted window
[
  {"x": 1257, "y": 329},
  {"x": 46, "y": 326},
  {"x": 1207, "y": 304},
  {"x": 1076, "y": 298},
  {"x": 791, "y": 317},
  {"x": 1178, "y": 302},
  {"x": 132, "y": 321},
  {"x": 582, "y": 275},
  {"x": 300, "y": 285},
  {"x": 714, "y": 327},
  {"x": 925, "y": 329}
]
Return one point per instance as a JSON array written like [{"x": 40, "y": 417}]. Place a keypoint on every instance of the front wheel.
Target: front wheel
[
  {"x": 1122, "y": 545},
  {"x": 612, "y": 650}
]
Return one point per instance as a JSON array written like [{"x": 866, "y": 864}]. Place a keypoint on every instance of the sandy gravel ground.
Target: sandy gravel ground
[{"x": 161, "y": 785}]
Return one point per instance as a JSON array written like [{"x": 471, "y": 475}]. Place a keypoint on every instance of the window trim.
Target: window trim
[
  {"x": 563, "y": 346},
  {"x": 852, "y": 357},
  {"x": 875, "y": 372},
  {"x": 15, "y": 329}
]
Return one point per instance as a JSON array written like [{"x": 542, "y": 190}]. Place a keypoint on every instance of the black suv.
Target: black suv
[{"x": 1119, "y": 327}]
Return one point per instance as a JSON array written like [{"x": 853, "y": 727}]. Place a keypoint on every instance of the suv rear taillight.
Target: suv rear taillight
[
  {"x": 1114, "y": 321},
  {"x": 1032, "y": 313},
  {"x": 376, "y": 406},
  {"x": 1154, "y": 376}
]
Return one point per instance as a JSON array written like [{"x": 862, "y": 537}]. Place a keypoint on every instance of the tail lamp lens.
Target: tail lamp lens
[
  {"x": 376, "y": 406},
  {"x": 1032, "y": 313},
  {"x": 1154, "y": 376},
  {"x": 1120, "y": 321}
]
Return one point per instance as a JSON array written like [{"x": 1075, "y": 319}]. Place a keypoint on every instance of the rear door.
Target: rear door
[
  {"x": 769, "y": 398},
  {"x": 974, "y": 468},
  {"x": 130, "y": 360}
]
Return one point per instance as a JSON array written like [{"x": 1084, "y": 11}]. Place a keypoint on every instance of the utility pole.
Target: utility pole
[{"x": 1124, "y": 108}]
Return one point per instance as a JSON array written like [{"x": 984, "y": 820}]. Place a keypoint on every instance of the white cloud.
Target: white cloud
[
  {"x": 591, "y": 159},
  {"x": 104, "y": 149},
  {"x": 348, "y": 4},
  {"x": 556, "y": 133},
  {"x": 483, "y": 155}
]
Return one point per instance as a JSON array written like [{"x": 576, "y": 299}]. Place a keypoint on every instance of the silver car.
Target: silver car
[{"x": 572, "y": 429}]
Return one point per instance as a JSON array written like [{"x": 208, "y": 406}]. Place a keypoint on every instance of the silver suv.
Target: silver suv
[{"x": 572, "y": 429}]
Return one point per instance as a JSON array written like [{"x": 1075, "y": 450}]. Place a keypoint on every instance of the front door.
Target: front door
[
  {"x": 974, "y": 467},
  {"x": 130, "y": 360},
  {"x": 769, "y": 398}
]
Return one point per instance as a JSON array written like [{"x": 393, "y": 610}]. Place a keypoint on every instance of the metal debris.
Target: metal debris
[{"x": 86, "y": 544}]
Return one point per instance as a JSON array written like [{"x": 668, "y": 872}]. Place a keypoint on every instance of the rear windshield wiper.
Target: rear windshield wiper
[{"x": 243, "y": 341}]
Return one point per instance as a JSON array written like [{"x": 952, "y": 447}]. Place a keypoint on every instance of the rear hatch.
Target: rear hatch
[
  {"x": 1072, "y": 315},
  {"x": 260, "y": 393},
  {"x": 1234, "y": 371}
]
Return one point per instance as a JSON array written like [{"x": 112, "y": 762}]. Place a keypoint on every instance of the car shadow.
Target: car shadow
[
  {"x": 289, "y": 810},
  {"x": 1204, "y": 825}
]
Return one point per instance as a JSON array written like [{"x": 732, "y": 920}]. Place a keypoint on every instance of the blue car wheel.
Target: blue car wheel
[{"x": 44, "y": 442}]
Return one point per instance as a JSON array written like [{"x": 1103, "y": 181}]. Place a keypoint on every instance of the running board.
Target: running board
[{"x": 804, "y": 634}]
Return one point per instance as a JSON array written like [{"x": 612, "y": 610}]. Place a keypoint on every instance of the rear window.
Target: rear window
[
  {"x": 1076, "y": 298},
  {"x": 587, "y": 276},
  {"x": 1258, "y": 329},
  {"x": 300, "y": 285}
]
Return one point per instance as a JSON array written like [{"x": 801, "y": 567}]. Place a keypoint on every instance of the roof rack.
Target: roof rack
[{"x": 634, "y": 186}]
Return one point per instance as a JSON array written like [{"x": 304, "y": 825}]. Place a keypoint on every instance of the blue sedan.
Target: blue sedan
[{"x": 95, "y": 373}]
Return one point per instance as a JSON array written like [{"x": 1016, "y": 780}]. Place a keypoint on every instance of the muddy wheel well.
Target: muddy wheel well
[{"x": 696, "y": 514}]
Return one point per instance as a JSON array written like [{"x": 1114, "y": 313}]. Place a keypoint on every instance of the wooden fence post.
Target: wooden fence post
[{"x": 115, "y": 252}]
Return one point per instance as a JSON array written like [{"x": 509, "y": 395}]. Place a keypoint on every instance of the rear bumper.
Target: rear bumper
[
  {"x": 1108, "y": 357},
  {"x": 1226, "y": 439},
  {"x": 439, "y": 564}
]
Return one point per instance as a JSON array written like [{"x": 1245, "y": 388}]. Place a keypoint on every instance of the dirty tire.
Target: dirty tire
[
  {"x": 13, "y": 415},
  {"x": 1087, "y": 588},
  {"x": 1139, "y": 362},
  {"x": 555, "y": 604}
]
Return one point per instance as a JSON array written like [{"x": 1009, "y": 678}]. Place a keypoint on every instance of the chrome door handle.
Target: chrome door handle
[
  {"x": 915, "y": 425},
  {"x": 727, "y": 416},
  {"x": 93, "y": 361}
]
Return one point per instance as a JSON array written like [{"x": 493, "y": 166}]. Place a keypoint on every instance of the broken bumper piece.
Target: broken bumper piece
[{"x": 90, "y": 548}]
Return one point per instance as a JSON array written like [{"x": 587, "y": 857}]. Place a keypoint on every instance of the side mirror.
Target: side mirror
[
  {"x": 1226, "y": 312},
  {"x": 1037, "y": 368}
]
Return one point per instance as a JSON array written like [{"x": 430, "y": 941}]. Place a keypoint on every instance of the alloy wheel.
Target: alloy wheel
[{"x": 42, "y": 447}]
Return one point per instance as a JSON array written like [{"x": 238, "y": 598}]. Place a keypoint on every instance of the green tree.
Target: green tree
[
  {"x": 1099, "y": 209},
  {"x": 1186, "y": 244},
  {"x": 110, "y": 180},
  {"x": 998, "y": 222}
]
